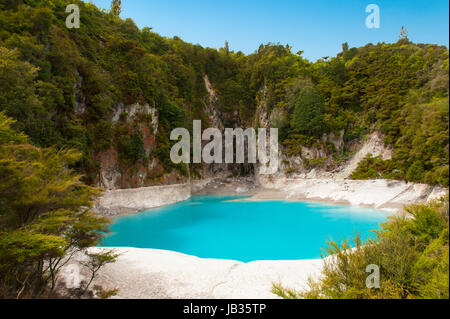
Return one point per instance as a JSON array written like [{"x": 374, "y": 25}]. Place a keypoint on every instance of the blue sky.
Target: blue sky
[{"x": 318, "y": 27}]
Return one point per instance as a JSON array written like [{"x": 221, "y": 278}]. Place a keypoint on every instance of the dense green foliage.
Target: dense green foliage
[
  {"x": 44, "y": 215},
  {"x": 375, "y": 167},
  {"x": 63, "y": 85},
  {"x": 308, "y": 113},
  {"x": 412, "y": 253}
]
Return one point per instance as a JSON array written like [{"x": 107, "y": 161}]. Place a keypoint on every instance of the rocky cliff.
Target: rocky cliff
[
  {"x": 116, "y": 175},
  {"x": 317, "y": 161}
]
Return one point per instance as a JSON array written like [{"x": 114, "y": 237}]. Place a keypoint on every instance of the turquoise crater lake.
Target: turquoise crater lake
[{"x": 221, "y": 228}]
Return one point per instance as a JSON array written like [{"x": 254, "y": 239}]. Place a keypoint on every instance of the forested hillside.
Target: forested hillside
[{"x": 114, "y": 92}]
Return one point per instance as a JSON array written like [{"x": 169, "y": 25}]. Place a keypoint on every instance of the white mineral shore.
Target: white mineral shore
[
  {"x": 159, "y": 274},
  {"x": 385, "y": 195}
]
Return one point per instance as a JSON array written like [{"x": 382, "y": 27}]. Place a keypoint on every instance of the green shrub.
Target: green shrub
[
  {"x": 415, "y": 172},
  {"x": 373, "y": 168}
]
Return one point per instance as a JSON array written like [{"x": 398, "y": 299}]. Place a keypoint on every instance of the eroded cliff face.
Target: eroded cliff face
[
  {"x": 211, "y": 104},
  {"x": 324, "y": 159},
  {"x": 319, "y": 162},
  {"x": 328, "y": 157},
  {"x": 116, "y": 175},
  {"x": 216, "y": 120},
  {"x": 112, "y": 174}
]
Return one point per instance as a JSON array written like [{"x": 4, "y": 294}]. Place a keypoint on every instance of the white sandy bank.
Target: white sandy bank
[{"x": 158, "y": 274}]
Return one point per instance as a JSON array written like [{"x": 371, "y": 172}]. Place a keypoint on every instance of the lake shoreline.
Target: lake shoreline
[
  {"x": 160, "y": 274},
  {"x": 384, "y": 195}
]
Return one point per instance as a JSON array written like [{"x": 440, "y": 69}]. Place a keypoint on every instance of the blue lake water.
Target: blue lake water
[{"x": 216, "y": 227}]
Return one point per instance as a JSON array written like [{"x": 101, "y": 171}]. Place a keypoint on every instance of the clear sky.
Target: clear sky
[{"x": 317, "y": 27}]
